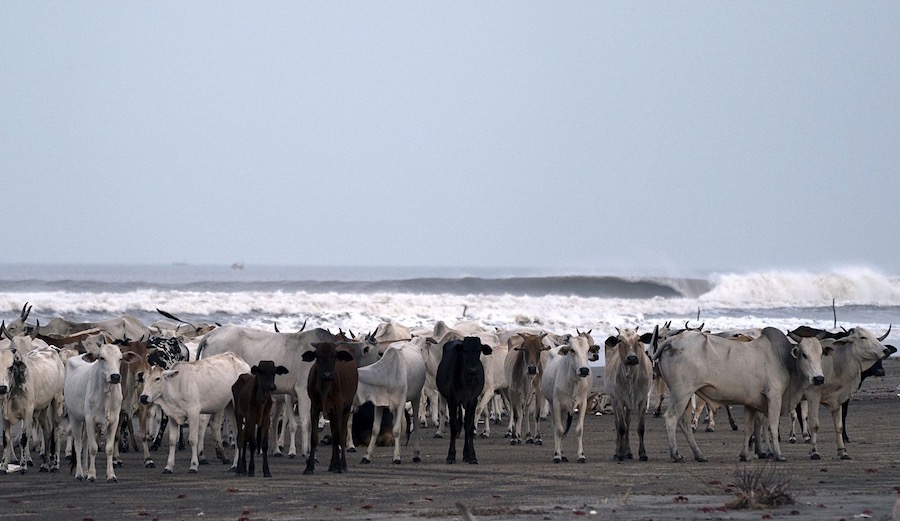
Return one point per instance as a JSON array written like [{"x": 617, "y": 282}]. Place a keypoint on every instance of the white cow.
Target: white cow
[
  {"x": 628, "y": 375},
  {"x": 190, "y": 389},
  {"x": 767, "y": 375},
  {"x": 566, "y": 384},
  {"x": 125, "y": 328},
  {"x": 494, "y": 377},
  {"x": 93, "y": 393},
  {"x": 397, "y": 378},
  {"x": 31, "y": 386}
]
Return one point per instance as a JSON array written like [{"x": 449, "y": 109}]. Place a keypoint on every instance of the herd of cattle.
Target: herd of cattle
[{"x": 73, "y": 386}]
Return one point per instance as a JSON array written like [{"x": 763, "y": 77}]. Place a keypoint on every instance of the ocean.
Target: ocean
[{"x": 358, "y": 298}]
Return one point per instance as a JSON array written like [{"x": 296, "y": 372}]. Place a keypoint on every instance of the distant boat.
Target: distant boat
[{"x": 237, "y": 266}]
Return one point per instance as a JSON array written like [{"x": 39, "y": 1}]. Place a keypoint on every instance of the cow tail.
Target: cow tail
[
  {"x": 200, "y": 347},
  {"x": 72, "y": 462},
  {"x": 568, "y": 423}
]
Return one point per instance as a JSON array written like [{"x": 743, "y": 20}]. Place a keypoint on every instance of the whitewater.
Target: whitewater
[{"x": 358, "y": 299}]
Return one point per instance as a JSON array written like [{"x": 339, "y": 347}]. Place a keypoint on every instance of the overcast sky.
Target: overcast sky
[{"x": 595, "y": 136}]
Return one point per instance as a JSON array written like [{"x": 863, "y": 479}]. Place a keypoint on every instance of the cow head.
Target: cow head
[
  {"x": 531, "y": 347},
  {"x": 326, "y": 355},
  {"x": 18, "y": 326},
  {"x": 155, "y": 382},
  {"x": 578, "y": 348},
  {"x": 13, "y": 371},
  {"x": 866, "y": 347},
  {"x": 265, "y": 374},
  {"x": 471, "y": 350},
  {"x": 628, "y": 345},
  {"x": 110, "y": 358},
  {"x": 593, "y": 348},
  {"x": 808, "y": 353}
]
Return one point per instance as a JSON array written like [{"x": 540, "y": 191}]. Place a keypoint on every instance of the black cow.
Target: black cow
[
  {"x": 252, "y": 406},
  {"x": 460, "y": 380}
]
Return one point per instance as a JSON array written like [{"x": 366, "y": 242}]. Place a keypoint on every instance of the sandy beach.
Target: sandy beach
[{"x": 509, "y": 483}]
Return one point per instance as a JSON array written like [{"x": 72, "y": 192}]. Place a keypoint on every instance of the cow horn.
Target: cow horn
[
  {"x": 4, "y": 331},
  {"x": 304, "y": 324},
  {"x": 276, "y": 328},
  {"x": 25, "y": 312},
  {"x": 34, "y": 330},
  {"x": 882, "y": 337}
]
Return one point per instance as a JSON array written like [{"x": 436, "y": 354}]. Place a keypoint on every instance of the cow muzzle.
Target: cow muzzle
[
  {"x": 631, "y": 360},
  {"x": 818, "y": 380},
  {"x": 532, "y": 370},
  {"x": 3, "y": 389},
  {"x": 115, "y": 378},
  {"x": 583, "y": 372},
  {"x": 889, "y": 350},
  {"x": 145, "y": 399}
]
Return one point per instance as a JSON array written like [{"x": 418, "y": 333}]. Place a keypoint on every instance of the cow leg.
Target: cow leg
[
  {"x": 373, "y": 438},
  {"x": 78, "y": 432},
  {"x": 305, "y": 422},
  {"x": 263, "y": 437},
  {"x": 397, "y": 431},
  {"x": 281, "y": 421},
  {"x": 812, "y": 425},
  {"x": 111, "y": 448},
  {"x": 774, "y": 417},
  {"x": 844, "y": 407},
  {"x": 173, "y": 442},
  {"x": 711, "y": 417},
  {"x": 642, "y": 452},
  {"x": 144, "y": 424},
  {"x": 558, "y": 433},
  {"x": 538, "y": 407},
  {"x": 251, "y": 434},
  {"x": 195, "y": 426},
  {"x": 731, "y": 422},
  {"x": 677, "y": 416},
  {"x": 838, "y": 430},
  {"x": 481, "y": 410},
  {"x": 243, "y": 430},
  {"x": 469, "y": 426},
  {"x": 163, "y": 422},
  {"x": 91, "y": 435},
  {"x": 579, "y": 431},
  {"x": 749, "y": 426},
  {"x": 314, "y": 412},
  {"x": 7, "y": 446},
  {"x": 455, "y": 419},
  {"x": 417, "y": 454}
]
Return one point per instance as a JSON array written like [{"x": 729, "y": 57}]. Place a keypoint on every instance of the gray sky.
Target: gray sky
[{"x": 595, "y": 136}]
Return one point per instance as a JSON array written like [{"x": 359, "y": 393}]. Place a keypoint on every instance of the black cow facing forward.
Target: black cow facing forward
[{"x": 460, "y": 379}]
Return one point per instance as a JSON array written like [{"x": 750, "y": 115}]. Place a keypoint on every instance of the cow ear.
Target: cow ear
[
  {"x": 565, "y": 349},
  {"x": 344, "y": 356},
  {"x": 486, "y": 350},
  {"x": 140, "y": 377},
  {"x": 827, "y": 350},
  {"x": 646, "y": 338},
  {"x": 612, "y": 341},
  {"x": 130, "y": 357},
  {"x": 171, "y": 373},
  {"x": 795, "y": 351},
  {"x": 309, "y": 356},
  {"x": 254, "y": 370},
  {"x": 281, "y": 370}
]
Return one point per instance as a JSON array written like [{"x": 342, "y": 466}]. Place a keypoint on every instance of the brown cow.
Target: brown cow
[
  {"x": 132, "y": 386},
  {"x": 524, "y": 367},
  {"x": 252, "y": 408},
  {"x": 332, "y": 384},
  {"x": 628, "y": 375}
]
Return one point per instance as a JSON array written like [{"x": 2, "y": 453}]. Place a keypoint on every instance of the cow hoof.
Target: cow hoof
[
  {"x": 351, "y": 449},
  {"x": 192, "y": 471},
  {"x": 780, "y": 458},
  {"x": 483, "y": 435},
  {"x": 473, "y": 461},
  {"x": 167, "y": 471},
  {"x": 582, "y": 460},
  {"x": 529, "y": 441},
  {"x": 657, "y": 414},
  {"x": 539, "y": 442},
  {"x": 565, "y": 459},
  {"x": 204, "y": 461},
  {"x": 44, "y": 469},
  {"x": 451, "y": 461},
  {"x": 710, "y": 429},
  {"x": 277, "y": 455},
  {"x": 112, "y": 479},
  {"x": 308, "y": 471},
  {"x": 292, "y": 456},
  {"x": 815, "y": 456},
  {"x": 365, "y": 461},
  {"x": 267, "y": 474},
  {"x": 644, "y": 458},
  {"x": 512, "y": 442},
  {"x": 557, "y": 459},
  {"x": 77, "y": 478},
  {"x": 846, "y": 457},
  {"x": 792, "y": 439},
  {"x": 54, "y": 469},
  {"x": 149, "y": 464},
  {"x": 396, "y": 462},
  {"x": 438, "y": 435},
  {"x": 417, "y": 459},
  {"x": 678, "y": 459},
  {"x": 92, "y": 480}
]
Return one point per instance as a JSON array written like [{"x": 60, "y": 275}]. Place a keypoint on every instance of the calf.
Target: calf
[
  {"x": 566, "y": 384},
  {"x": 629, "y": 373},
  {"x": 460, "y": 380},
  {"x": 93, "y": 392},
  {"x": 333, "y": 380},
  {"x": 191, "y": 389},
  {"x": 252, "y": 407}
]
